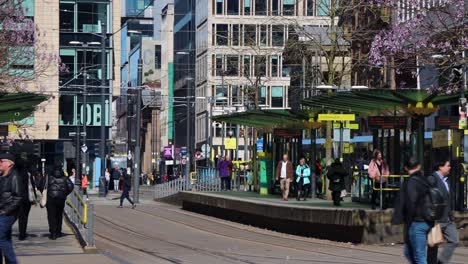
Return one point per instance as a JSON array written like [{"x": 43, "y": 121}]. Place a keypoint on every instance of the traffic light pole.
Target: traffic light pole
[
  {"x": 102, "y": 153},
  {"x": 136, "y": 175}
]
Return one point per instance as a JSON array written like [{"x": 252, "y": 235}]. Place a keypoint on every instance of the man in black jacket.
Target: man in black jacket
[
  {"x": 58, "y": 188},
  {"x": 27, "y": 185},
  {"x": 126, "y": 191},
  {"x": 441, "y": 174},
  {"x": 10, "y": 199}
]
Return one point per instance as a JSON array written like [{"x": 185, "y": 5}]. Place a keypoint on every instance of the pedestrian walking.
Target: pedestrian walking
[
  {"x": 116, "y": 178},
  {"x": 126, "y": 191},
  {"x": 107, "y": 179},
  {"x": 84, "y": 185},
  {"x": 378, "y": 168},
  {"x": 449, "y": 229},
  {"x": 10, "y": 201},
  {"x": 417, "y": 208},
  {"x": 223, "y": 168},
  {"x": 28, "y": 191},
  {"x": 302, "y": 179},
  {"x": 58, "y": 188},
  {"x": 285, "y": 174},
  {"x": 336, "y": 175}
]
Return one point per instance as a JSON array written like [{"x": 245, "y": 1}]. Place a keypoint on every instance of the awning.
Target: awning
[
  {"x": 18, "y": 106},
  {"x": 379, "y": 101},
  {"x": 264, "y": 118}
]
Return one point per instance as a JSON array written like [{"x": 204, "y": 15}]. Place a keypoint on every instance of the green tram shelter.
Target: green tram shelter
[
  {"x": 18, "y": 106},
  {"x": 416, "y": 104}
]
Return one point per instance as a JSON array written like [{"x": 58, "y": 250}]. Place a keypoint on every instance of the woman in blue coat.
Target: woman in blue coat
[{"x": 302, "y": 179}]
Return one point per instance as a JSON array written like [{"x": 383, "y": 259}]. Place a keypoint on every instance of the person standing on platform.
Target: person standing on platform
[
  {"x": 318, "y": 177},
  {"x": 84, "y": 185},
  {"x": 223, "y": 168},
  {"x": 107, "y": 179},
  {"x": 116, "y": 178},
  {"x": 10, "y": 201},
  {"x": 449, "y": 229},
  {"x": 378, "y": 168},
  {"x": 302, "y": 179},
  {"x": 58, "y": 188},
  {"x": 285, "y": 174},
  {"x": 336, "y": 174},
  {"x": 127, "y": 185}
]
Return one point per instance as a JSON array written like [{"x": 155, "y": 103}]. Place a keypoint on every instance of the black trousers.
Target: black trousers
[
  {"x": 303, "y": 190},
  {"x": 55, "y": 215},
  {"x": 125, "y": 195},
  {"x": 226, "y": 183},
  {"x": 376, "y": 193},
  {"x": 336, "y": 195},
  {"x": 23, "y": 215}
]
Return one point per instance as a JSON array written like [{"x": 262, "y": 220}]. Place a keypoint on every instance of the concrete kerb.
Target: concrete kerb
[{"x": 337, "y": 224}]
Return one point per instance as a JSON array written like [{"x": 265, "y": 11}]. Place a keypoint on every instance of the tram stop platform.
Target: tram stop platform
[
  {"x": 38, "y": 248},
  {"x": 350, "y": 222}
]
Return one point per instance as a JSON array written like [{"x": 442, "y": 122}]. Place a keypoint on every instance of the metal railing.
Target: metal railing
[
  {"x": 169, "y": 188},
  {"x": 206, "y": 180},
  {"x": 80, "y": 214}
]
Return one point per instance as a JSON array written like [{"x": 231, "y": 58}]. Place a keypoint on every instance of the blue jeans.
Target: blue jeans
[
  {"x": 415, "y": 247},
  {"x": 6, "y": 245}
]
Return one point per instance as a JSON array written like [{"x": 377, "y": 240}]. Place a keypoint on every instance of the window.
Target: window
[
  {"x": 286, "y": 71},
  {"x": 247, "y": 7},
  {"x": 232, "y": 62},
  {"x": 250, "y": 35},
  {"x": 261, "y": 7},
  {"x": 67, "y": 20},
  {"x": 277, "y": 96},
  {"x": 236, "y": 94},
  {"x": 311, "y": 7},
  {"x": 274, "y": 66},
  {"x": 247, "y": 65},
  {"x": 90, "y": 16},
  {"x": 221, "y": 95},
  {"x": 222, "y": 34},
  {"x": 263, "y": 35},
  {"x": 157, "y": 57},
  {"x": 135, "y": 7},
  {"x": 219, "y": 7},
  {"x": 219, "y": 65},
  {"x": 278, "y": 35},
  {"x": 260, "y": 65},
  {"x": 263, "y": 95},
  {"x": 323, "y": 7},
  {"x": 233, "y": 7},
  {"x": 235, "y": 35},
  {"x": 275, "y": 7},
  {"x": 288, "y": 7}
]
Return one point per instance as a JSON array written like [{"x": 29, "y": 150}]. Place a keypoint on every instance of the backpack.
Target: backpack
[{"x": 433, "y": 202}]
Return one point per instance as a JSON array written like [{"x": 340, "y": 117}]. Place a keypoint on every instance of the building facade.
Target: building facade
[{"x": 239, "y": 52}]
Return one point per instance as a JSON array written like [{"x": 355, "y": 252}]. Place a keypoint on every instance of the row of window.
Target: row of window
[
  {"x": 271, "y": 7},
  {"x": 248, "y": 65},
  {"x": 84, "y": 16},
  {"x": 237, "y": 95},
  {"x": 250, "y": 35}
]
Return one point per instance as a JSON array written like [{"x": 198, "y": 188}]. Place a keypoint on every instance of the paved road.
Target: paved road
[{"x": 160, "y": 233}]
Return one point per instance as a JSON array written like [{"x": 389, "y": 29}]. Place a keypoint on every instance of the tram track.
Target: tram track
[{"x": 308, "y": 248}]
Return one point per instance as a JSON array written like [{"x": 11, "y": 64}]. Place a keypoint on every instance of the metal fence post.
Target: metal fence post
[{"x": 90, "y": 226}]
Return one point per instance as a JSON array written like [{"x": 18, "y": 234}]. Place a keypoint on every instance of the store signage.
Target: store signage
[
  {"x": 336, "y": 117},
  {"x": 387, "y": 122}
]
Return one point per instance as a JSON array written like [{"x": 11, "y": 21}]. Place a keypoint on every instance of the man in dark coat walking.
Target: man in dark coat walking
[
  {"x": 336, "y": 175},
  {"x": 27, "y": 185},
  {"x": 58, "y": 188},
  {"x": 449, "y": 229},
  {"x": 126, "y": 191},
  {"x": 10, "y": 199}
]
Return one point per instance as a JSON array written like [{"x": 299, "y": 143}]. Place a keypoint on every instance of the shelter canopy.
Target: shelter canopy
[{"x": 17, "y": 106}]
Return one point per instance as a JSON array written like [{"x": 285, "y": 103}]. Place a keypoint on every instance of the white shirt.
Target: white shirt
[
  {"x": 283, "y": 169},
  {"x": 72, "y": 179},
  {"x": 444, "y": 180}
]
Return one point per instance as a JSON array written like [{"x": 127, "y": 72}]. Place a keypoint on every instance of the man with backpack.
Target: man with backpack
[
  {"x": 420, "y": 205},
  {"x": 449, "y": 230}
]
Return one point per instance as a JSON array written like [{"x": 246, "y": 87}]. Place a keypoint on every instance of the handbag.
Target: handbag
[
  {"x": 44, "y": 193},
  {"x": 435, "y": 236},
  {"x": 31, "y": 194}
]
